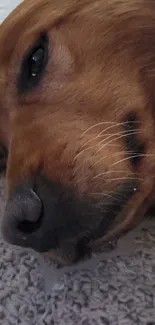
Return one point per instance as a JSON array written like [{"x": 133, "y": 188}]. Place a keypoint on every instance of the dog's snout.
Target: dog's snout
[
  {"x": 41, "y": 216},
  {"x": 22, "y": 216}
]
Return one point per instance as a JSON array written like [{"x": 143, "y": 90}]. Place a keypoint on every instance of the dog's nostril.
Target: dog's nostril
[
  {"x": 28, "y": 227},
  {"x": 23, "y": 215}
]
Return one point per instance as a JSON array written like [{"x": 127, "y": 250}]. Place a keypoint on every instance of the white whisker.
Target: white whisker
[
  {"x": 104, "y": 157},
  {"x": 123, "y": 178},
  {"x": 113, "y": 171},
  {"x": 103, "y": 194},
  {"x": 131, "y": 157},
  {"x": 112, "y": 124},
  {"x": 123, "y": 134},
  {"x": 97, "y": 124},
  {"x": 101, "y": 175},
  {"x": 117, "y": 138},
  {"x": 103, "y": 132},
  {"x": 116, "y": 153}
]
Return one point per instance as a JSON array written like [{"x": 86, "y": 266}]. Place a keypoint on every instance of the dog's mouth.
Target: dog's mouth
[{"x": 48, "y": 217}]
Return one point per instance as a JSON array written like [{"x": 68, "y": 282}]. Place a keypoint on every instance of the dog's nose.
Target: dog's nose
[
  {"x": 22, "y": 217},
  {"x": 40, "y": 216}
]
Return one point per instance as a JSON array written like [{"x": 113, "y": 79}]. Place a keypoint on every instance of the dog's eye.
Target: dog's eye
[
  {"x": 33, "y": 65},
  {"x": 36, "y": 62}
]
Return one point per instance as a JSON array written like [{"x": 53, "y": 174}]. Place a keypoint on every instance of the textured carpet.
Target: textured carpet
[{"x": 113, "y": 289}]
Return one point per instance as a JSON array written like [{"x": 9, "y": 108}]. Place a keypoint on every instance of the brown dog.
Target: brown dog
[{"x": 77, "y": 100}]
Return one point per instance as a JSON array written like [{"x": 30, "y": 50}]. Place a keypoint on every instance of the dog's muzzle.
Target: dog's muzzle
[
  {"x": 42, "y": 215},
  {"x": 45, "y": 215}
]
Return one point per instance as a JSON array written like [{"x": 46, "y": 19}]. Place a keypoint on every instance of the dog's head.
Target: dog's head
[{"x": 76, "y": 97}]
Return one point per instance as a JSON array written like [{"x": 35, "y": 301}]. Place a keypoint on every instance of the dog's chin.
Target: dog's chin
[
  {"x": 80, "y": 248},
  {"x": 69, "y": 253}
]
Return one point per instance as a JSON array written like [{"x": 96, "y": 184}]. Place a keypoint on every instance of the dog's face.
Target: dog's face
[{"x": 76, "y": 100}]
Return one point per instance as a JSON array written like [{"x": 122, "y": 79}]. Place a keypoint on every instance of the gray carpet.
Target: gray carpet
[{"x": 113, "y": 289}]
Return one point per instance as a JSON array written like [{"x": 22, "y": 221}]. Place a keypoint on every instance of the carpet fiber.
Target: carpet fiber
[{"x": 114, "y": 289}]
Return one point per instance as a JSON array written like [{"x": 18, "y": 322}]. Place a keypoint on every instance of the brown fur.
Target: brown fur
[{"x": 101, "y": 67}]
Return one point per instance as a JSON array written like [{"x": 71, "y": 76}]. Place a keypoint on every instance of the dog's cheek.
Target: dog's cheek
[
  {"x": 64, "y": 158},
  {"x": 99, "y": 170}
]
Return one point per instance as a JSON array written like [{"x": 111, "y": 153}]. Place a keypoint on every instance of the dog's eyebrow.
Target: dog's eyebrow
[{"x": 26, "y": 82}]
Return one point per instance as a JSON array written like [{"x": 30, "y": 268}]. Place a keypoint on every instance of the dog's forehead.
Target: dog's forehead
[
  {"x": 43, "y": 14},
  {"x": 35, "y": 13},
  {"x": 106, "y": 19},
  {"x": 34, "y": 16},
  {"x": 38, "y": 15}
]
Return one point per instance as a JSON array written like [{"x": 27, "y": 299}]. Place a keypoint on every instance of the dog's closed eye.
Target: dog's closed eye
[{"x": 33, "y": 65}]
